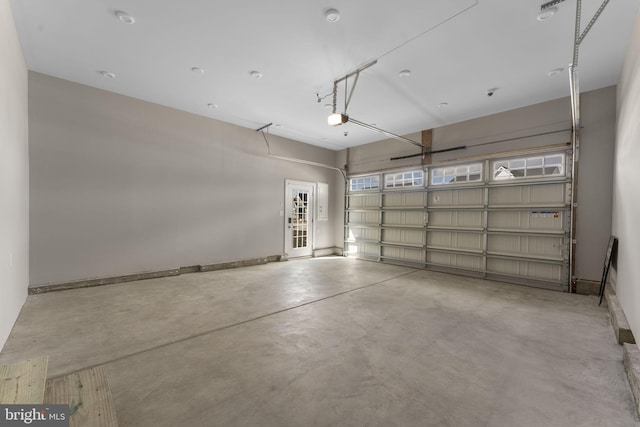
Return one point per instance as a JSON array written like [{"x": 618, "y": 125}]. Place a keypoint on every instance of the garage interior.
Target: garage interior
[
  {"x": 354, "y": 343},
  {"x": 182, "y": 223}
]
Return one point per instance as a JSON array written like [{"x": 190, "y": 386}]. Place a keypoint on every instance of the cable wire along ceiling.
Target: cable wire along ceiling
[{"x": 336, "y": 119}]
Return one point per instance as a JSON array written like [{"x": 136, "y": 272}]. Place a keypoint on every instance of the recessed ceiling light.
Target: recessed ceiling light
[
  {"x": 108, "y": 74},
  {"x": 547, "y": 13},
  {"x": 443, "y": 105},
  {"x": 328, "y": 105},
  {"x": 555, "y": 71},
  {"x": 332, "y": 15},
  {"x": 255, "y": 74},
  {"x": 278, "y": 125},
  {"x": 197, "y": 70},
  {"x": 404, "y": 74},
  {"x": 212, "y": 105},
  {"x": 125, "y": 17}
]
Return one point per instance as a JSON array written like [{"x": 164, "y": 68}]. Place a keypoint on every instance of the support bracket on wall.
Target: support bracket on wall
[{"x": 428, "y": 153}]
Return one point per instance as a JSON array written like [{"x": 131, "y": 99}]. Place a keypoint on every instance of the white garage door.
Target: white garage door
[{"x": 501, "y": 218}]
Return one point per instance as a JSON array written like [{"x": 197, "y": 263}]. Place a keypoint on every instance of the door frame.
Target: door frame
[{"x": 311, "y": 212}]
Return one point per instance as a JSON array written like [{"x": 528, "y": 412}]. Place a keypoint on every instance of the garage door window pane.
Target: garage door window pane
[
  {"x": 456, "y": 174},
  {"x": 529, "y": 167},
  {"x": 404, "y": 179},
  {"x": 554, "y": 160},
  {"x": 364, "y": 183},
  {"x": 535, "y": 172}
]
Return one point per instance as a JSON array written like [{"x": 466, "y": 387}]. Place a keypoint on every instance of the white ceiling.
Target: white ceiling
[{"x": 455, "y": 49}]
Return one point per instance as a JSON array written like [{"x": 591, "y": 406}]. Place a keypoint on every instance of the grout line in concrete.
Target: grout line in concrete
[{"x": 243, "y": 322}]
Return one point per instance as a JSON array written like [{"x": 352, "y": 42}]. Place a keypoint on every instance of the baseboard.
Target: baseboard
[
  {"x": 89, "y": 283},
  {"x": 327, "y": 252},
  {"x": 619, "y": 321},
  {"x": 631, "y": 361},
  {"x": 239, "y": 264},
  {"x": 190, "y": 269}
]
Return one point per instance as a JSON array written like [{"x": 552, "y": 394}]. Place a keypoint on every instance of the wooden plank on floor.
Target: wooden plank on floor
[
  {"x": 23, "y": 382},
  {"x": 88, "y": 395}
]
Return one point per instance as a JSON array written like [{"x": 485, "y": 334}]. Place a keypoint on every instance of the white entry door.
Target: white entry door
[{"x": 299, "y": 218}]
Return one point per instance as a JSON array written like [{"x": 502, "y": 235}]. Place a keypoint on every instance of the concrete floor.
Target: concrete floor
[{"x": 335, "y": 342}]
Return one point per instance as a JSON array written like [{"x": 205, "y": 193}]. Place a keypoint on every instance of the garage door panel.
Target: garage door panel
[
  {"x": 403, "y": 254},
  {"x": 448, "y": 218},
  {"x": 456, "y": 197},
  {"x": 367, "y": 218},
  {"x": 444, "y": 259},
  {"x": 536, "y": 246},
  {"x": 359, "y": 233},
  {"x": 411, "y": 237},
  {"x": 526, "y": 269},
  {"x": 542, "y": 195},
  {"x": 551, "y": 221},
  {"x": 510, "y": 220},
  {"x": 455, "y": 240},
  {"x": 363, "y": 201},
  {"x": 410, "y": 218},
  {"x": 404, "y": 199},
  {"x": 364, "y": 249}
]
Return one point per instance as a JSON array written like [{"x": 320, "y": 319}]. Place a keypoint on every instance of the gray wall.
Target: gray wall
[
  {"x": 551, "y": 121},
  {"x": 595, "y": 181},
  {"x": 626, "y": 190},
  {"x": 14, "y": 175},
  {"x": 476, "y": 134},
  {"x": 121, "y": 186}
]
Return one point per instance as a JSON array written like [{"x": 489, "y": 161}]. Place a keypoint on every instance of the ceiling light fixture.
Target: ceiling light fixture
[
  {"x": 332, "y": 15},
  {"x": 555, "y": 71},
  {"x": 212, "y": 105},
  {"x": 404, "y": 74},
  {"x": 125, "y": 17},
  {"x": 337, "y": 119},
  {"x": 197, "y": 70},
  {"x": 443, "y": 105},
  {"x": 255, "y": 74},
  {"x": 547, "y": 13},
  {"x": 108, "y": 74}
]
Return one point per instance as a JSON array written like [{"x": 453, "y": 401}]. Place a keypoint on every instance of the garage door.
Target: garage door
[{"x": 505, "y": 218}]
